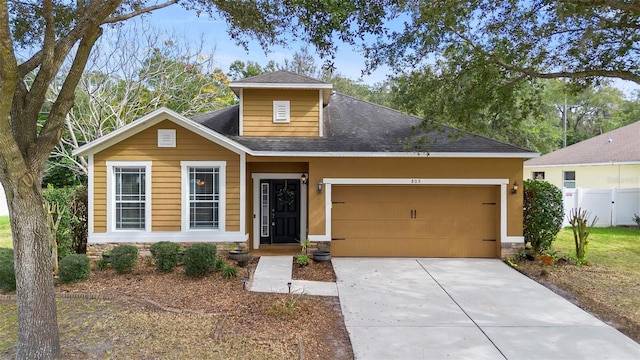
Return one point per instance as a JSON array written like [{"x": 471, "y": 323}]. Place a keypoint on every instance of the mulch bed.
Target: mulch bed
[
  {"x": 315, "y": 271},
  {"x": 610, "y": 295},
  {"x": 317, "y": 321}
]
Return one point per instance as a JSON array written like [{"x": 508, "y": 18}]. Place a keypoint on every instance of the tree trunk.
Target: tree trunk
[{"x": 38, "y": 323}]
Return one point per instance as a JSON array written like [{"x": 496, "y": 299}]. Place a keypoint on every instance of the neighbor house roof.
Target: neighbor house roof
[
  {"x": 353, "y": 127},
  {"x": 621, "y": 145}
]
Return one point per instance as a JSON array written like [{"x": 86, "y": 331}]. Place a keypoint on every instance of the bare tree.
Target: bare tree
[{"x": 135, "y": 69}]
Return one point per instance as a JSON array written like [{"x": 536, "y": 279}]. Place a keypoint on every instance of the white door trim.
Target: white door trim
[{"x": 256, "y": 177}]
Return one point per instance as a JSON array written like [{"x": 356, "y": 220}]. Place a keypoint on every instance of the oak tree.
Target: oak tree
[{"x": 55, "y": 32}]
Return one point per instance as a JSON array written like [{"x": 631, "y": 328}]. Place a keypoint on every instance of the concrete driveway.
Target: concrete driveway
[{"x": 464, "y": 309}]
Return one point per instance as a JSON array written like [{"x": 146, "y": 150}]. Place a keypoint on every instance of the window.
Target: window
[
  {"x": 203, "y": 195},
  {"x": 538, "y": 175},
  {"x": 569, "y": 179},
  {"x": 281, "y": 111},
  {"x": 129, "y": 206}
]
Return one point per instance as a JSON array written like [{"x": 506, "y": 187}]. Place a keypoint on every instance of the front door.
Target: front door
[{"x": 280, "y": 211}]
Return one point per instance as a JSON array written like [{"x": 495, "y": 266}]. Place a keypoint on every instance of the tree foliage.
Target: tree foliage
[
  {"x": 582, "y": 40},
  {"x": 477, "y": 97}
]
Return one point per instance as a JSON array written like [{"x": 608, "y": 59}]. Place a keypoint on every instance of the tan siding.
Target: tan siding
[
  {"x": 400, "y": 168},
  {"x": 166, "y": 175},
  {"x": 258, "y": 112}
]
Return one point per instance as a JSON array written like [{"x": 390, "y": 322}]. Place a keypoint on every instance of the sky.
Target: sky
[{"x": 348, "y": 62}]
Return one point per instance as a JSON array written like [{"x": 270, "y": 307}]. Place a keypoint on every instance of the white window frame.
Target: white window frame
[
  {"x": 111, "y": 194},
  {"x": 287, "y": 111},
  {"x": 564, "y": 179},
  {"x": 534, "y": 173},
  {"x": 222, "y": 204}
]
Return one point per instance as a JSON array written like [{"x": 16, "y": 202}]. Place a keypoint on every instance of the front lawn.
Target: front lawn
[
  {"x": 5, "y": 233},
  {"x": 614, "y": 247},
  {"x": 607, "y": 286}
]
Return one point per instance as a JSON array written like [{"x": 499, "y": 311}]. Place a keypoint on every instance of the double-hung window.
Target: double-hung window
[
  {"x": 129, "y": 184},
  {"x": 569, "y": 179},
  {"x": 203, "y": 198}
]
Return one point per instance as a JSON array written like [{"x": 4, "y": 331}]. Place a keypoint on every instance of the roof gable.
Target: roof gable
[
  {"x": 621, "y": 145},
  {"x": 150, "y": 120},
  {"x": 282, "y": 79}
]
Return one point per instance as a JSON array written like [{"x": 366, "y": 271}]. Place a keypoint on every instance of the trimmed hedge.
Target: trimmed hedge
[
  {"x": 74, "y": 267},
  {"x": 7, "y": 270},
  {"x": 200, "y": 259},
  {"x": 166, "y": 255},
  {"x": 123, "y": 258},
  {"x": 543, "y": 214}
]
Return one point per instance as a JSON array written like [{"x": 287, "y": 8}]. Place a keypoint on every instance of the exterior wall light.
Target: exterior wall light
[
  {"x": 514, "y": 189},
  {"x": 320, "y": 187},
  {"x": 303, "y": 179}
]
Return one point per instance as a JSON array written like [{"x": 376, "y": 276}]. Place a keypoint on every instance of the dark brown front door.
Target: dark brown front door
[{"x": 283, "y": 211}]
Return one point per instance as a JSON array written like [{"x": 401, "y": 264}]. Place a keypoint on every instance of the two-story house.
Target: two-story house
[{"x": 296, "y": 160}]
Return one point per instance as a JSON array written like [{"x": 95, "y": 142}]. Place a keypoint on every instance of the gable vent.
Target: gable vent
[
  {"x": 166, "y": 138},
  {"x": 281, "y": 112}
]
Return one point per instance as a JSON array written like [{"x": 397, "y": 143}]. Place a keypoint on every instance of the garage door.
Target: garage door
[{"x": 415, "y": 221}]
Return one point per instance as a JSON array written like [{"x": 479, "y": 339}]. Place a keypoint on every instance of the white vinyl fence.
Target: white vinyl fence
[
  {"x": 4, "y": 210},
  {"x": 612, "y": 206}
]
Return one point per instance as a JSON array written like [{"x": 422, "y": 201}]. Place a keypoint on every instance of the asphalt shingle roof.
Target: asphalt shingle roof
[
  {"x": 352, "y": 125},
  {"x": 279, "y": 77},
  {"x": 619, "y": 145}
]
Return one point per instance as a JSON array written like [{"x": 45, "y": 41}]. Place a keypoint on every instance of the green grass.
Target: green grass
[
  {"x": 613, "y": 247},
  {"x": 5, "y": 232}
]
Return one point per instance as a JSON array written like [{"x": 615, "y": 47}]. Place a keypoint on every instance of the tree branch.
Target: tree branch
[
  {"x": 8, "y": 80},
  {"x": 52, "y": 130},
  {"x": 632, "y": 7},
  {"x": 128, "y": 16}
]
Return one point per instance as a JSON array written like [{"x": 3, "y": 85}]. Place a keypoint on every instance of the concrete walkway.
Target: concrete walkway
[
  {"x": 273, "y": 274},
  {"x": 465, "y": 309}
]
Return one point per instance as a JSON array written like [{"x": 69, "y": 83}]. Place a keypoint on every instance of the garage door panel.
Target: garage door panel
[
  {"x": 364, "y": 211},
  {"x": 424, "y": 221}
]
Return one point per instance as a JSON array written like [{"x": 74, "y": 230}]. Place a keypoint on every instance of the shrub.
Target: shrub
[
  {"x": 78, "y": 210},
  {"x": 229, "y": 271},
  {"x": 543, "y": 213},
  {"x": 101, "y": 264},
  {"x": 636, "y": 218},
  {"x": 199, "y": 259},
  {"x": 60, "y": 197},
  {"x": 7, "y": 270},
  {"x": 302, "y": 260},
  {"x": 219, "y": 264},
  {"x": 123, "y": 258},
  {"x": 74, "y": 267},
  {"x": 166, "y": 255}
]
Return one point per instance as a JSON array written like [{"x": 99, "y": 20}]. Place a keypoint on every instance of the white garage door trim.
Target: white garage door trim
[{"x": 328, "y": 182}]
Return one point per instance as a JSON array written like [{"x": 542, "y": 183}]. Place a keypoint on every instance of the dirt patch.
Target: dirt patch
[
  {"x": 610, "y": 295},
  {"x": 315, "y": 271},
  {"x": 211, "y": 312}
]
